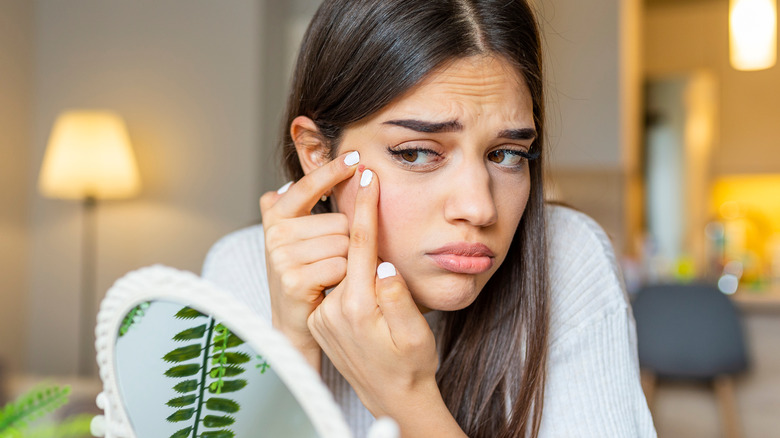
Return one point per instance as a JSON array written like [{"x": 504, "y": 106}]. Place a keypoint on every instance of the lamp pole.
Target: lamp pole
[{"x": 87, "y": 308}]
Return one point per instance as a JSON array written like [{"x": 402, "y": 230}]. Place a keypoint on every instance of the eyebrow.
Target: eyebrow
[{"x": 455, "y": 126}]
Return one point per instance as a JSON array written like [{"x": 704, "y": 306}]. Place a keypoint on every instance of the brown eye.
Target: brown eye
[
  {"x": 496, "y": 156},
  {"x": 410, "y": 156}
]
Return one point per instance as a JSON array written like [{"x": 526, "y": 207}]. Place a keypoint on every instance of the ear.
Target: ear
[{"x": 312, "y": 150}]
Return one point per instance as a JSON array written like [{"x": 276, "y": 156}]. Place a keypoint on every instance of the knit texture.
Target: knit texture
[{"x": 593, "y": 387}]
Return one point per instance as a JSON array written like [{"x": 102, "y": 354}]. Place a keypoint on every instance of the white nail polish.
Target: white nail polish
[
  {"x": 284, "y": 188},
  {"x": 366, "y": 178},
  {"x": 352, "y": 158},
  {"x": 385, "y": 270}
]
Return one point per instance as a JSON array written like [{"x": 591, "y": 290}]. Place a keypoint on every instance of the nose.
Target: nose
[{"x": 470, "y": 199}]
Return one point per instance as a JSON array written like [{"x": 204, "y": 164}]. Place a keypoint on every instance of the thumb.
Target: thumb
[{"x": 408, "y": 327}]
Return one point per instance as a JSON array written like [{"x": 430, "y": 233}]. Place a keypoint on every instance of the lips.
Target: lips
[{"x": 463, "y": 258}]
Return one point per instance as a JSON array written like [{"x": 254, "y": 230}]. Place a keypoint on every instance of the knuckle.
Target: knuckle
[
  {"x": 359, "y": 237},
  {"x": 391, "y": 293},
  {"x": 274, "y": 235},
  {"x": 290, "y": 281},
  {"x": 280, "y": 258}
]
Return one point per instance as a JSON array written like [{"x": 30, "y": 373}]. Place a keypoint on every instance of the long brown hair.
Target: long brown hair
[{"x": 359, "y": 55}]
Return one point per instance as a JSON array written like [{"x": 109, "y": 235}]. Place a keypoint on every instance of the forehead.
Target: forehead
[{"x": 467, "y": 88}]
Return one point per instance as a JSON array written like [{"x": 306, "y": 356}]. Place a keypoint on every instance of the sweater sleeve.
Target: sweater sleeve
[
  {"x": 236, "y": 263},
  {"x": 593, "y": 387}
]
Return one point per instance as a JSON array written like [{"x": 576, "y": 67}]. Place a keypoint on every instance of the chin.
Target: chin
[{"x": 446, "y": 294}]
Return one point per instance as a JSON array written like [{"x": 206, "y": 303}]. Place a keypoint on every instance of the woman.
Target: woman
[{"x": 423, "y": 288}]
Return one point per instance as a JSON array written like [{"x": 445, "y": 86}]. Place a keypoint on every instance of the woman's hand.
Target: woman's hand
[
  {"x": 304, "y": 253},
  {"x": 372, "y": 331}
]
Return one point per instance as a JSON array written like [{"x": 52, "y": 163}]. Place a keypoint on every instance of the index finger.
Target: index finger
[
  {"x": 362, "y": 253},
  {"x": 304, "y": 194}
]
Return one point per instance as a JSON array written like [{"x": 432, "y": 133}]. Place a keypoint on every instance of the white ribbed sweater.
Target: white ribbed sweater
[{"x": 592, "y": 388}]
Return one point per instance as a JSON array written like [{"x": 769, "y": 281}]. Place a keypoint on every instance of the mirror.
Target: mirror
[{"x": 181, "y": 358}]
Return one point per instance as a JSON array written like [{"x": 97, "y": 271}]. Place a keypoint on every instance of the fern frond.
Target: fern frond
[
  {"x": 180, "y": 402},
  {"x": 218, "y": 420},
  {"x": 218, "y": 434},
  {"x": 184, "y": 433},
  {"x": 183, "y": 370},
  {"x": 32, "y": 405},
  {"x": 76, "y": 426},
  {"x": 186, "y": 386},
  {"x": 222, "y": 405},
  {"x": 133, "y": 317},
  {"x": 192, "y": 333},
  {"x": 188, "y": 313},
  {"x": 226, "y": 386},
  {"x": 181, "y": 415},
  {"x": 183, "y": 354}
]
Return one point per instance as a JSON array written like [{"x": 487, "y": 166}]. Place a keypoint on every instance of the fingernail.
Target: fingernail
[
  {"x": 366, "y": 177},
  {"x": 385, "y": 270},
  {"x": 284, "y": 188},
  {"x": 352, "y": 158}
]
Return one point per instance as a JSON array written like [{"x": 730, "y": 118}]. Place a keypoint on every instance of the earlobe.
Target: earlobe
[{"x": 311, "y": 147}]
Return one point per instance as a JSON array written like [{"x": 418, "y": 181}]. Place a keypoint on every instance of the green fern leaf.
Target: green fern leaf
[
  {"x": 218, "y": 434},
  {"x": 227, "y": 371},
  {"x": 183, "y": 370},
  {"x": 180, "y": 402},
  {"x": 232, "y": 341},
  {"x": 133, "y": 317},
  {"x": 193, "y": 333},
  {"x": 183, "y": 354},
  {"x": 184, "y": 433},
  {"x": 188, "y": 313},
  {"x": 33, "y": 404},
  {"x": 227, "y": 386},
  {"x": 231, "y": 358},
  {"x": 186, "y": 386},
  {"x": 222, "y": 405},
  {"x": 181, "y": 415},
  {"x": 218, "y": 420}
]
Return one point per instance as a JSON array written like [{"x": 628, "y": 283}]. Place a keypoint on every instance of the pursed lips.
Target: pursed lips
[{"x": 463, "y": 257}]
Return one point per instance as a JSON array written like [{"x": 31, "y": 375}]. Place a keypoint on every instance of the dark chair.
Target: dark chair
[{"x": 691, "y": 331}]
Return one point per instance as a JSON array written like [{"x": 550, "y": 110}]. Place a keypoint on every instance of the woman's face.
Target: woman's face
[{"x": 453, "y": 180}]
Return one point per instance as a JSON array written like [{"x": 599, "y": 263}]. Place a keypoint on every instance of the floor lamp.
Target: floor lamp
[{"x": 88, "y": 158}]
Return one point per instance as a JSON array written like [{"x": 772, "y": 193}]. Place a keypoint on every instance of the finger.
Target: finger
[
  {"x": 306, "y": 283},
  {"x": 361, "y": 259},
  {"x": 305, "y": 227},
  {"x": 304, "y": 252},
  {"x": 301, "y": 197},
  {"x": 408, "y": 327},
  {"x": 269, "y": 198}
]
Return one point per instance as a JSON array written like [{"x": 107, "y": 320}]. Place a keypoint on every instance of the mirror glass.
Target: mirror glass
[{"x": 184, "y": 374}]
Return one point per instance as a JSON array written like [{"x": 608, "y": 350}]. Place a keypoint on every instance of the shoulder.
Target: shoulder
[
  {"x": 236, "y": 263},
  {"x": 585, "y": 281}
]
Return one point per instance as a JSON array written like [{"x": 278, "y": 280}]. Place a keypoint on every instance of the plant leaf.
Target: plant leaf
[
  {"x": 184, "y": 433},
  {"x": 222, "y": 405},
  {"x": 183, "y": 370},
  {"x": 218, "y": 434},
  {"x": 183, "y": 353},
  {"x": 188, "y": 313},
  {"x": 33, "y": 404},
  {"x": 181, "y": 415},
  {"x": 232, "y": 358},
  {"x": 218, "y": 420},
  {"x": 227, "y": 386},
  {"x": 186, "y": 386},
  {"x": 230, "y": 371},
  {"x": 180, "y": 402},
  {"x": 232, "y": 341},
  {"x": 192, "y": 333}
]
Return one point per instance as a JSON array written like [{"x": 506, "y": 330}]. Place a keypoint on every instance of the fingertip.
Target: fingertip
[{"x": 366, "y": 177}]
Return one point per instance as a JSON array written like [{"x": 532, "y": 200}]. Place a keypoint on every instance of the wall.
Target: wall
[
  {"x": 684, "y": 37},
  {"x": 16, "y": 64},
  {"x": 593, "y": 105},
  {"x": 185, "y": 75}
]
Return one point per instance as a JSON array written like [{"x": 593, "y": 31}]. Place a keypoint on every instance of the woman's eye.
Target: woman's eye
[
  {"x": 415, "y": 157},
  {"x": 507, "y": 157}
]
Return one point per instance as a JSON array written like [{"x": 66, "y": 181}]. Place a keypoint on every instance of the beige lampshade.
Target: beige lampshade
[
  {"x": 753, "y": 34},
  {"x": 89, "y": 155}
]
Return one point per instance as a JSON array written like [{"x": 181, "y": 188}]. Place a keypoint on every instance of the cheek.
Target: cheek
[{"x": 401, "y": 211}]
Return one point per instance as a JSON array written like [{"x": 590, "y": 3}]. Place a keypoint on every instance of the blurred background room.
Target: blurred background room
[{"x": 656, "y": 130}]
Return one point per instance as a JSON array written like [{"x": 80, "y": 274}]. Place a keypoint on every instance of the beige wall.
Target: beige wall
[
  {"x": 685, "y": 37},
  {"x": 16, "y": 64},
  {"x": 593, "y": 108},
  {"x": 185, "y": 76}
]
